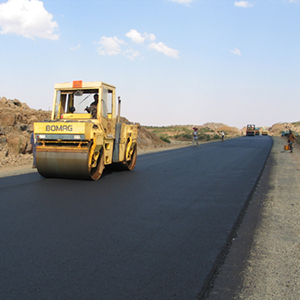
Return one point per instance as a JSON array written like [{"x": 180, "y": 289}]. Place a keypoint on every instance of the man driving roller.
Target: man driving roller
[{"x": 93, "y": 107}]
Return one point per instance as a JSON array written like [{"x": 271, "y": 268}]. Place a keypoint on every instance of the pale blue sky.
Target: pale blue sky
[{"x": 172, "y": 61}]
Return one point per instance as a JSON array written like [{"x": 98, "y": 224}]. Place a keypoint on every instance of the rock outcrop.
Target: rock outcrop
[{"x": 16, "y": 126}]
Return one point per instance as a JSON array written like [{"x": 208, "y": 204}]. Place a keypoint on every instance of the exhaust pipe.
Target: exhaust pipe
[{"x": 119, "y": 109}]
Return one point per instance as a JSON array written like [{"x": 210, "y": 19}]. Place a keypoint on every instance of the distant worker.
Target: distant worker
[
  {"x": 291, "y": 140},
  {"x": 222, "y": 135},
  {"x": 33, "y": 149},
  {"x": 93, "y": 107},
  {"x": 195, "y": 137}
]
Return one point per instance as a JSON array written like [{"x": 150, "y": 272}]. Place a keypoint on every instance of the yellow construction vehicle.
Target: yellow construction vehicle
[
  {"x": 80, "y": 139},
  {"x": 250, "y": 130},
  {"x": 265, "y": 131}
]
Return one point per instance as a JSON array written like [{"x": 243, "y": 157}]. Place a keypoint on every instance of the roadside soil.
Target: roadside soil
[
  {"x": 20, "y": 164},
  {"x": 263, "y": 261}
]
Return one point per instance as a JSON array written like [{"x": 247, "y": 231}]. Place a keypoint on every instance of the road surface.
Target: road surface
[{"x": 153, "y": 233}]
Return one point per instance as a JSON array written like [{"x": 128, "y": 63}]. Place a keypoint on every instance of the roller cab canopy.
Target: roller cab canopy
[{"x": 73, "y": 99}]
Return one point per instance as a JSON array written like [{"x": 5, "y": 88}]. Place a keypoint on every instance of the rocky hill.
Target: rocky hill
[
  {"x": 276, "y": 129},
  {"x": 16, "y": 125}
]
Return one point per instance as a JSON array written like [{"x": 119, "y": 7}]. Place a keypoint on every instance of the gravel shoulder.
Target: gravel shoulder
[
  {"x": 263, "y": 260},
  {"x": 12, "y": 170}
]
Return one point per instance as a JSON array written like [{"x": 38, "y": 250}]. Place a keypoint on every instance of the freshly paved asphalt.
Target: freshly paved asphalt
[{"x": 153, "y": 233}]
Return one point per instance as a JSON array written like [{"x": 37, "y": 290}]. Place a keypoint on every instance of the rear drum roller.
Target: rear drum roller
[
  {"x": 97, "y": 165},
  {"x": 130, "y": 164}
]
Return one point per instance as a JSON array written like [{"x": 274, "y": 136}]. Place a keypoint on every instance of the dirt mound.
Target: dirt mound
[
  {"x": 149, "y": 139},
  {"x": 214, "y": 126},
  {"x": 229, "y": 130},
  {"x": 278, "y": 128},
  {"x": 146, "y": 139}
]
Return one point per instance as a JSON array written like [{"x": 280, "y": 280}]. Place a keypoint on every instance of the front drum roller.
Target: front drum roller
[{"x": 66, "y": 162}]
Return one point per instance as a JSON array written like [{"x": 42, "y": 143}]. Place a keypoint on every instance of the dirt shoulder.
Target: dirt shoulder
[
  {"x": 16, "y": 170},
  {"x": 263, "y": 261}
]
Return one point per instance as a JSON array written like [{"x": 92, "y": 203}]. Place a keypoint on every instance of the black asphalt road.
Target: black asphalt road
[{"x": 153, "y": 233}]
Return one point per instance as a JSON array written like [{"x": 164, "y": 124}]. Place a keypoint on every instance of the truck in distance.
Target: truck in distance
[{"x": 250, "y": 131}]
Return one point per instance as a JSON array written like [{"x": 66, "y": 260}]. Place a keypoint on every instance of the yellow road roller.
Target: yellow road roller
[
  {"x": 85, "y": 133},
  {"x": 265, "y": 131},
  {"x": 250, "y": 131}
]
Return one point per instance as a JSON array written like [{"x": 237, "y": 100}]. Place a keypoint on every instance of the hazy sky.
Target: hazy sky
[{"x": 172, "y": 61}]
